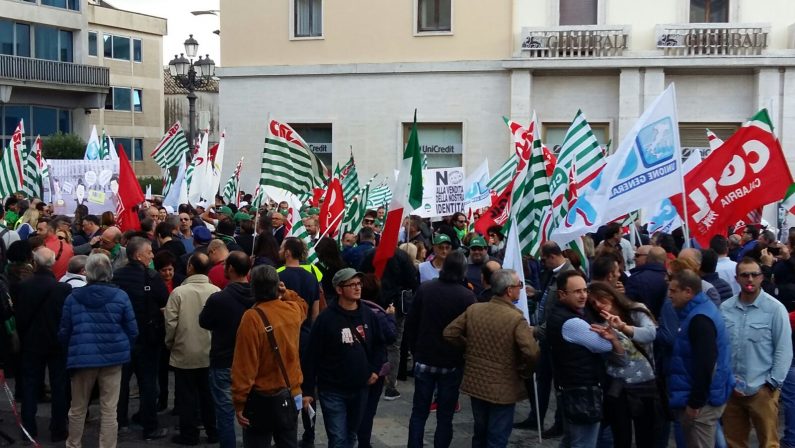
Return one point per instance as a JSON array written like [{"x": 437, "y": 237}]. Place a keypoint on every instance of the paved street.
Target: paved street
[{"x": 390, "y": 428}]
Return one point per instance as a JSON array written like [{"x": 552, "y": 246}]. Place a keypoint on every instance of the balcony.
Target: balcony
[
  {"x": 713, "y": 39},
  {"x": 580, "y": 41},
  {"x": 28, "y": 70}
]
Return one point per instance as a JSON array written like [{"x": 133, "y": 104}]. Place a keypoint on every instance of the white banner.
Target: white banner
[
  {"x": 443, "y": 192},
  {"x": 94, "y": 183},
  {"x": 478, "y": 194}
]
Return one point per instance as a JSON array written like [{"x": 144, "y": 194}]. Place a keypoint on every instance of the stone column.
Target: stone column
[{"x": 521, "y": 89}]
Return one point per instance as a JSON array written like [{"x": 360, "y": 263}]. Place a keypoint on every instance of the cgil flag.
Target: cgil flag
[
  {"x": 407, "y": 197},
  {"x": 11, "y": 174},
  {"x": 169, "y": 151},
  {"x": 749, "y": 171},
  {"x": 129, "y": 195},
  {"x": 714, "y": 141},
  {"x": 198, "y": 175},
  {"x": 287, "y": 162},
  {"x": 332, "y": 210},
  {"x": 645, "y": 168}
]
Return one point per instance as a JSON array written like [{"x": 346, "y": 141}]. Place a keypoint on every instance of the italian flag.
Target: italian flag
[
  {"x": 407, "y": 197},
  {"x": 789, "y": 199}
]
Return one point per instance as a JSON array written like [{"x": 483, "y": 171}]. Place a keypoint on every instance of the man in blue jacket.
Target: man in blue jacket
[{"x": 700, "y": 379}]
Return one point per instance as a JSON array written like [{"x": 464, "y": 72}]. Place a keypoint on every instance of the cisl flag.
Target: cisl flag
[{"x": 749, "y": 171}]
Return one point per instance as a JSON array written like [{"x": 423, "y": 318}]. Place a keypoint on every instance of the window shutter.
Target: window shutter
[{"x": 578, "y": 12}]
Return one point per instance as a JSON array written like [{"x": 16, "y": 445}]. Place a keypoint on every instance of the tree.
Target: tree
[{"x": 63, "y": 146}]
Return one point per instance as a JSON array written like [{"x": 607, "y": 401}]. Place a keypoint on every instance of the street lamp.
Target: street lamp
[{"x": 191, "y": 76}]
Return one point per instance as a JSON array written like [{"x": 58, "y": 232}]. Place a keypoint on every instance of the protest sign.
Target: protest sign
[
  {"x": 443, "y": 192},
  {"x": 94, "y": 183}
]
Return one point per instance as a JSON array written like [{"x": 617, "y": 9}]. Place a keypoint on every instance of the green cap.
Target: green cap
[
  {"x": 314, "y": 211},
  {"x": 477, "y": 241},
  {"x": 240, "y": 216},
  {"x": 226, "y": 211},
  {"x": 441, "y": 238}
]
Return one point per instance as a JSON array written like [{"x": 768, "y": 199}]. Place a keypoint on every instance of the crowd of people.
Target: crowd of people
[{"x": 641, "y": 341}]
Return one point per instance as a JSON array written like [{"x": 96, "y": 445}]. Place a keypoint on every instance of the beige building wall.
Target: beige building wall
[
  {"x": 146, "y": 75},
  {"x": 257, "y": 33}
]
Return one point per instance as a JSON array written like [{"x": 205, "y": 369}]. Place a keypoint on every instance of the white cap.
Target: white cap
[
  {"x": 169, "y": 209},
  {"x": 243, "y": 204},
  {"x": 203, "y": 204}
]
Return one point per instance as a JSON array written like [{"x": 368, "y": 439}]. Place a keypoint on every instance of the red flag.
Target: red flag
[
  {"x": 317, "y": 196},
  {"x": 497, "y": 214},
  {"x": 332, "y": 209},
  {"x": 749, "y": 171},
  {"x": 549, "y": 161},
  {"x": 130, "y": 194}
]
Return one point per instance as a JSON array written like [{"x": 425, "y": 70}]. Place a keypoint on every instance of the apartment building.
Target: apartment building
[
  {"x": 130, "y": 45},
  {"x": 350, "y": 74}
]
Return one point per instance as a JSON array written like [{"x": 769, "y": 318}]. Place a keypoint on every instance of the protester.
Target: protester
[
  {"x": 486, "y": 271},
  {"x": 256, "y": 368},
  {"x": 190, "y": 353},
  {"x": 63, "y": 251},
  {"x": 500, "y": 353},
  {"x": 91, "y": 234},
  {"x": 76, "y": 275},
  {"x": 98, "y": 326},
  {"x": 726, "y": 267},
  {"x": 329, "y": 262},
  {"x": 478, "y": 256},
  {"x": 221, "y": 316},
  {"x": 111, "y": 242},
  {"x": 38, "y": 313},
  {"x": 646, "y": 283},
  {"x": 437, "y": 364},
  {"x": 353, "y": 257},
  {"x": 760, "y": 337},
  {"x": 748, "y": 243},
  {"x": 442, "y": 246},
  {"x": 165, "y": 240},
  {"x": 217, "y": 252},
  {"x": 708, "y": 267},
  {"x": 341, "y": 360}
]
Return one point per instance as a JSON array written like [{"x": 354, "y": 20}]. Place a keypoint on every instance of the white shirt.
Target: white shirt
[
  {"x": 10, "y": 236},
  {"x": 428, "y": 271},
  {"x": 76, "y": 280},
  {"x": 727, "y": 271}
]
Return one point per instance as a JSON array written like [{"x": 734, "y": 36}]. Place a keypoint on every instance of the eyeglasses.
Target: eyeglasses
[
  {"x": 640, "y": 255},
  {"x": 369, "y": 221},
  {"x": 749, "y": 274},
  {"x": 352, "y": 285},
  {"x": 577, "y": 291},
  {"x": 517, "y": 285}
]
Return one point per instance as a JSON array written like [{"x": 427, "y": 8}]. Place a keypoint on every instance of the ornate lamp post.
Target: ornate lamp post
[{"x": 191, "y": 76}]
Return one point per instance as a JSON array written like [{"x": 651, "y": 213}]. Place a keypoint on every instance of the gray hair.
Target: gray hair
[
  {"x": 264, "y": 283},
  {"x": 44, "y": 257},
  {"x": 77, "y": 264},
  {"x": 98, "y": 268},
  {"x": 135, "y": 245},
  {"x": 501, "y": 280}
]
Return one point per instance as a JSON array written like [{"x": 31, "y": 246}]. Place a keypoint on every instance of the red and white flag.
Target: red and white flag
[{"x": 332, "y": 209}]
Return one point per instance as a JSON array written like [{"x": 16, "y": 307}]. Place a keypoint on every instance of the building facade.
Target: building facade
[
  {"x": 130, "y": 45},
  {"x": 357, "y": 70},
  {"x": 45, "y": 76},
  {"x": 176, "y": 106}
]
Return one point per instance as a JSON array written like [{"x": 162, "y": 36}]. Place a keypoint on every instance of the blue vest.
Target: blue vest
[{"x": 679, "y": 379}]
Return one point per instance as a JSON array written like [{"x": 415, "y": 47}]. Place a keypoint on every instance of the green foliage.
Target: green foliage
[
  {"x": 154, "y": 181},
  {"x": 63, "y": 146}
]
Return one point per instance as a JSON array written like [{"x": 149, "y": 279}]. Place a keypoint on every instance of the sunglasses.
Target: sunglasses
[
  {"x": 749, "y": 274},
  {"x": 369, "y": 221}
]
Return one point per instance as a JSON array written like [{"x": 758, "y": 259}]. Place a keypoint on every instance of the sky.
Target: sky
[{"x": 181, "y": 23}]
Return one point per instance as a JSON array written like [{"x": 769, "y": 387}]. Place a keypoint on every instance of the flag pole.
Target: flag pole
[
  {"x": 685, "y": 221},
  {"x": 538, "y": 413}
]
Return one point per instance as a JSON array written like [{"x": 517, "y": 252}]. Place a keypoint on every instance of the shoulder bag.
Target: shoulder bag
[{"x": 271, "y": 412}]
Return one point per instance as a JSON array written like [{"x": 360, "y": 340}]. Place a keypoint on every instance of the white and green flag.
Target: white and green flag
[
  {"x": 232, "y": 187},
  {"x": 349, "y": 179},
  {"x": 11, "y": 164},
  {"x": 531, "y": 199},
  {"x": 32, "y": 171},
  {"x": 168, "y": 153},
  {"x": 287, "y": 162},
  {"x": 503, "y": 176},
  {"x": 379, "y": 196}
]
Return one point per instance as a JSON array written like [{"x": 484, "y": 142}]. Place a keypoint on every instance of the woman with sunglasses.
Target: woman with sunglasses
[{"x": 631, "y": 397}]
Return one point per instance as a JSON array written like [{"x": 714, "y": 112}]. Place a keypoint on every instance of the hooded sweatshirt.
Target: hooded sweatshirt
[
  {"x": 98, "y": 326},
  {"x": 221, "y": 315}
]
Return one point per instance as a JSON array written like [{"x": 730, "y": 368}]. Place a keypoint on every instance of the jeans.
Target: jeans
[
  {"x": 788, "y": 400},
  {"x": 365, "y": 431},
  {"x": 192, "y": 392},
  {"x": 143, "y": 363},
  {"x": 446, "y": 386},
  {"x": 342, "y": 414},
  {"x": 579, "y": 436},
  {"x": 33, "y": 366},
  {"x": 493, "y": 423},
  {"x": 221, "y": 389}
]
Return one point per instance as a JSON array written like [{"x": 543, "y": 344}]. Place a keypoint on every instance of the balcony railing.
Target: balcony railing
[
  {"x": 54, "y": 72},
  {"x": 575, "y": 41},
  {"x": 712, "y": 39}
]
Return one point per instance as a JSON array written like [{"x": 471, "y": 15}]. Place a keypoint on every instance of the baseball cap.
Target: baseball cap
[
  {"x": 478, "y": 241},
  {"x": 313, "y": 211},
  {"x": 226, "y": 211},
  {"x": 202, "y": 204},
  {"x": 240, "y": 216},
  {"x": 202, "y": 234},
  {"x": 441, "y": 238},
  {"x": 343, "y": 275},
  {"x": 243, "y": 204}
]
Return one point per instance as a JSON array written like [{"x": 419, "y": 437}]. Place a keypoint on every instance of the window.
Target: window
[
  {"x": 64, "y": 121},
  {"x": 133, "y": 147},
  {"x": 23, "y": 39},
  {"x": 553, "y": 134},
  {"x": 74, "y": 5},
  {"x": 709, "y": 11},
  {"x": 6, "y": 37},
  {"x": 46, "y": 42},
  {"x": 107, "y": 42},
  {"x": 14, "y": 38},
  {"x": 434, "y": 15},
  {"x": 65, "y": 45},
  {"x": 45, "y": 121},
  {"x": 137, "y": 96},
  {"x": 92, "y": 43},
  {"x": 318, "y": 137},
  {"x": 694, "y": 135},
  {"x": 137, "y": 52},
  {"x": 121, "y": 48},
  {"x": 440, "y": 143},
  {"x": 119, "y": 99},
  {"x": 308, "y": 18},
  {"x": 578, "y": 12}
]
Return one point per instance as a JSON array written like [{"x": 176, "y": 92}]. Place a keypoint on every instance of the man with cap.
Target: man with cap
[
  {"x": 341, "y": 359},
  {"x": 201, "y": 238},
  {"x": 478, "y": 256},
  {"x": 442, "y": 246}
]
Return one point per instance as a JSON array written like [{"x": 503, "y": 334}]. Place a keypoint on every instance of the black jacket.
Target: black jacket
[
  {"x": 724, "y": 289},
  {"x": 221, "y": 315},
  {"x": 399, "y": 275},
  {"x": 647, "y": 285},
  {"x": 38, "y": 312},
  {"x": 148, "y": 294},
  {"x": 436, "y": 304},
  {"x": 336, "y": 359},
  {"x": 573, "y": 365}
]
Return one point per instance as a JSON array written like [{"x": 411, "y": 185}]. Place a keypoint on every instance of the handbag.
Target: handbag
[
  {"x": 271, "y": 412},
  {"x": 581, "y": 405}
]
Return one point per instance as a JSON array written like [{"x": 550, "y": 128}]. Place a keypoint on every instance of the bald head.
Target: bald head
[
  {"x": 110, "y": 237},
  {"x": 642, "y": 255},
  {"x": 44, "y": 258},
  {"x": 217, "y": 251},
  {"x": 489, "y": 268},
  {"x": 693, "y": 255},
  {"x": 656, "y": 255}
]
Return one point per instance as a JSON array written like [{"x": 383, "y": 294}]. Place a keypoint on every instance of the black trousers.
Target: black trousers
[{"x": 192, "y": 392}]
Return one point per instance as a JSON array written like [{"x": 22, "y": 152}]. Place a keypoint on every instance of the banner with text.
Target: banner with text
[
  {"x": 443, "y": 192},
  {"x": 94, "y": 183}
]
